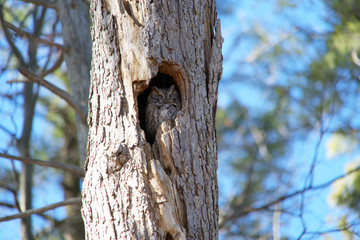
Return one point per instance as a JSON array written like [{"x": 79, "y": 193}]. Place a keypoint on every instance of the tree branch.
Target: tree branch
[
  {"x": 62, "y": 166},
  {"x": 264, "y": 48},
  {"x": 8, "y": 131},
  {"x": 8, "y": 205},
  {"x": 57, "y": 91},
  {"x": 310, "y": 188},
  {"x": 248, "y": 210},
  {"x": 55, "y": 66},
  {"x": 70, "y": 201},
  {"x": 35, "y": 39},
  {"x": 7, "y": 187},
  {"x": 47, "y": 4},
  {"x": 13, "y": 190},
  {"x": 8, "y": 36}
]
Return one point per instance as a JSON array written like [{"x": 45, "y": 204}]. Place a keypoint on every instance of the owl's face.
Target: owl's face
[{"x": 165, "y": 100}]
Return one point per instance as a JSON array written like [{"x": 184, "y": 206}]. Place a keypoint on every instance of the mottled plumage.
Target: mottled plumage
[{"x": 162, "y": 104}]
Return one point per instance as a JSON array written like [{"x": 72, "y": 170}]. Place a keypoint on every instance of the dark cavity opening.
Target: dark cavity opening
[{"x": 161, "y": 80}]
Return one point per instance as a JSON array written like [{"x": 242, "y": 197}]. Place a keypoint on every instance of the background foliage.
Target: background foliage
[{"x": 287, "y": 121}]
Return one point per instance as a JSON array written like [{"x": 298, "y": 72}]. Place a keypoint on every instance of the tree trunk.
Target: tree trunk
[
  {"x": 27, "y": 170},
  {"x": 30, "y": 96},
  {"x": 135, "y": 187},
  {"x": 74, "y": 17}
]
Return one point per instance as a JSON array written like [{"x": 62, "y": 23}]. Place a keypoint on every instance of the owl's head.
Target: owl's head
[{"x": 162, "y": 96}]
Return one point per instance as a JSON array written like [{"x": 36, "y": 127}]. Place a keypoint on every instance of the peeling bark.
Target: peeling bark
[{"x": 168, "y": 189}]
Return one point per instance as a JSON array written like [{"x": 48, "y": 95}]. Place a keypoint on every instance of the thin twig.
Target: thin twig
[
  {"x": 33, "y": 38},
  {"x": 8, "y": 131},
  {"x": 62, "y": 166},
  {"x": 17, "y": 81},
  {"x": 261, "y": 50},
  {"x": 346, "y": 228},
  {"x": 16, "y": 178},
  {"x": 55, "y": 66},
  {"x": 57, "y": 91},
  {"x": 296, "y": 193},
  {"x": 8, "y": 205},
  {"x": 7, "y": 187},
  {"x": 14, "y": 193},
  {"x": 70, "y": 201},
  {"x": 8, "y": 36},
  {"x": 47, "y": 4}
]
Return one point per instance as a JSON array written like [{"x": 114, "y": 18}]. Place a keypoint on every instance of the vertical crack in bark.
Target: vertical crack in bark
[
  {"x": 208, "y": 43},
  {"x": 166, "y": 195},
  {"x": 167, "y": 190},
  {"x": 108, "y": 202},
  {"x": 170, "y": 207},
  {"x": 129, "y": 10}
]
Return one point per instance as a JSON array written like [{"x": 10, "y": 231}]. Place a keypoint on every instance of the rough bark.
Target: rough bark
[
  {"x": 74, "y": 17},
  {"x": 168, "y": 189}
]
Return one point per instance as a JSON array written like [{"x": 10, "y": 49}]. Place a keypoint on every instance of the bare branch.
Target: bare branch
[
  {"x": 310, "y": 188},
  {"x": 70, "y": 201},
  {"x": 8, "y": 36},
  {"x": 13, "y": 191},
  {"x": 346, "y": 228},
  {"x": 55, "y": 66},
  {"x": 57, "y": 91},
  {"x": 248, "y": 210},
  {"x": 7, "y": 187},
  {"x": 264, "y": 48},
  {"x": 260, "y": 142},
  {"x": 16, "y": 178},
  {"x": 17, "y": 81},
  {"x": 44, "y": 3},
  {"x": 8, "y": 205},
  {"x": 8, "y": 131},
  {"x": 62, "y": 166},
  {"x": 33, "y": 38},
  {"x": 48, "y": 218}
]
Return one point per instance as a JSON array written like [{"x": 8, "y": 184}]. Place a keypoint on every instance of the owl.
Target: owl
[{"x": 162, "y": 104}]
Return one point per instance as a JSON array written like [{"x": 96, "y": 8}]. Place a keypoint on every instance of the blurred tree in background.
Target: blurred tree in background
[
  {"x": 35, "y": 124},
  {"x": 287, "y": 118},
  {"x": 292, "y": 80}
]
